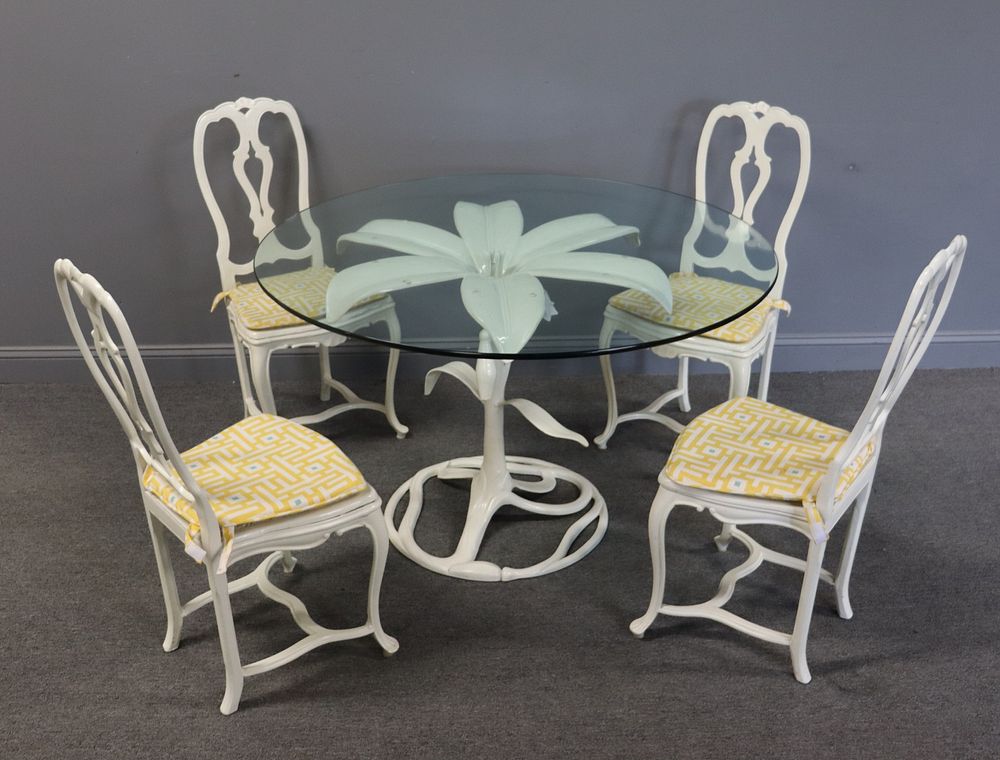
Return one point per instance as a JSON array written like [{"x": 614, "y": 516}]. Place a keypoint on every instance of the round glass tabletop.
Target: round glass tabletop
[{"x": 525, "y": 266}]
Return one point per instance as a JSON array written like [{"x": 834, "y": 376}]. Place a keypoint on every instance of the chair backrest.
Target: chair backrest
[
  {"x": 245, "y": 115},
  {"x": 758, "y": 119},
  {"x": 126, "y": 386},
  {"x": 921, "y": 317}
]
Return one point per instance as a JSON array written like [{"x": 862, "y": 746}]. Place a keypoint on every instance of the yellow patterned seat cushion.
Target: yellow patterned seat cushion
[
  {"x": 699, "y": 302},
  {"x": 261, "y": 467},
  {"x": 304, "y": 291},
  {"x": 750, "y": 447}
]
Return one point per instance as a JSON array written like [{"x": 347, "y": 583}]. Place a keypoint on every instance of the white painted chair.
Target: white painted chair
[
  {"x": 738, "y": 344},
  {"x": 259, "y": 326},
  {"x": 751, "y": 462},
  {"x": 230, "y": 497}
]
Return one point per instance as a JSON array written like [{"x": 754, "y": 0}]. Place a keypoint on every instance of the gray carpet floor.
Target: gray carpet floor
[{"x": 532, "y": 669}]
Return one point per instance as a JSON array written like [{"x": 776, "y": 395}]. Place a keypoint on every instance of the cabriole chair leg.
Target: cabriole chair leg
[
  {"x": 803, "y": 615},
  {"x": 725, "y": 536},
  {"x": 243, "y": 372},
  {"x": 219, "y": 586},
  {"x": 380, "y": 551},
  {"x": 390, "y": 395},
  {"x": 175, "y": 617},
  {"x": 683, "y": 401},
  {"x": 764, "y": 381},
  {"x": 848, "y": 553},
  {"x": 325, "y": 377},
  {"x": 395, "y": 332},
  {"x": 604, "y": 340},
  {"x": 739, "y": 379},
  {"x": 657, "y": 528},
  {"x": 260, "y": 360},
  {"x": 609, "y": 387}
]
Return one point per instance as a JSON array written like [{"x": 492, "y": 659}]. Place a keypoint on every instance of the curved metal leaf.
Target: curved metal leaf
[
  {"x": 459, "y": 370},
  {"x": 544, "y": 421},
  {"x": 508, "y": 308}
]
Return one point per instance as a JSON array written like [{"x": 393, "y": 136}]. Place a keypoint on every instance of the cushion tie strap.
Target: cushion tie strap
[
  {"x": 220, "y": 297},
  {"x": 780, "y": 304},
  {"x": 194, "y": 549},
  {"x": 817, "y": 526},
  {"x": 226, "y": 552}
]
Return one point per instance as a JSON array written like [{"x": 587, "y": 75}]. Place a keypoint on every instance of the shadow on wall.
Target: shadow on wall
[{"x": 681, "y": 140}]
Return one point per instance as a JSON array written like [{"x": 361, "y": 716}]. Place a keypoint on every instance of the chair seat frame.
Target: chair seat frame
[
  {"x": 254, "y": 349},
  {"x": 738, "y": 358},
  {"x": 731, "y": 511},
  {"x": 276, "y": 538}
]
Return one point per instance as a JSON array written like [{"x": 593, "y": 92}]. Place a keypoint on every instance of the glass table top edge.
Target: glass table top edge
[{"x": 539, "y": 347}]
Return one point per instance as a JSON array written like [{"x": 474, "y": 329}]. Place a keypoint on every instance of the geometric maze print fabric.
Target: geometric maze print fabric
[
  {"x": 304, "y": 291},
  {"x": 750, "y": 447},
  {"x": 261, "y": 467},
  {"x": 699, "y": 302}
]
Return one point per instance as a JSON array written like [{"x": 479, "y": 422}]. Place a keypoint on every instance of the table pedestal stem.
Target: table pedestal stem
[{"x": 493, "y": 485}]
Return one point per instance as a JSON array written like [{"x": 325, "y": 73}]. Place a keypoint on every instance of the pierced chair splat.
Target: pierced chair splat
[
  {"x": 258, "y": 324},
  {"x": 751, "y": 462},
  {"x": 265, "y": 485},
  {"x": 697, "y": 296}
]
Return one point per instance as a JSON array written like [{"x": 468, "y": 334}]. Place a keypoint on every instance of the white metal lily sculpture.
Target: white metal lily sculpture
[{"x": 498, "y": 265}]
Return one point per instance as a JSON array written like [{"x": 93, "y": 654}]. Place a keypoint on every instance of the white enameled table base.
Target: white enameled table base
[
  {"x": 525, "y": 267},
  {"x": 483, "y": 505},
  {"x": 496, "y": 480}
]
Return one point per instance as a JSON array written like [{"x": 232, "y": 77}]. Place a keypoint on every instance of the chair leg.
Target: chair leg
[
  {"x": 219, "y": 587},
  {"x": 171, "y": 600},
  {"x": 375, "y": 523},
  {"x": 847, "y": 554},
  {"x": 325, "y": 378},
  {"x": 392, "y": 322},
  {"x": 684, "y": 402},
  {"x": 657, "y": 527},
  {"x": 260, "y": 360},
  {"x": 803, "y": 616},
  {"x": 246, "y": 387},
  {"x": 764, "y": 381},
  {"x": 390, "y": 395},
  {"x": 607, "y": 331},
  {"x": 725, "y": 536},
  {"x": 739, "y": 379}
]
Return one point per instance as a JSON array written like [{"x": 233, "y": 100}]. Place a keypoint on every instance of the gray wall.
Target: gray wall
[{"x": 101, "y": 98}]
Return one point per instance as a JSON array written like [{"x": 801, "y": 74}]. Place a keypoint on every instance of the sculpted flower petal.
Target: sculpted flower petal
[
  {"x": 508, "y": 308},
  {"x": 498, "y": 265},
  {"x": 414, "y": 238},
  {"x": 490, "y": 232},
  {"x": 569, "y": 234},
  {"x": 358, "y": 282},
  {"x": 609, "y": 268}
]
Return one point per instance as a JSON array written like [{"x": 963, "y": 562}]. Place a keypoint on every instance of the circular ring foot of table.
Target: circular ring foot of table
[{"x": 543, "y": 479}]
